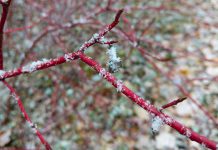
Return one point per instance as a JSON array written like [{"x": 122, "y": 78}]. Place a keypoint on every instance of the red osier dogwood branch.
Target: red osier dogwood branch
[
  {"x": 173, "y": 103},
  {"x": 79, "y": 54},
  {"x": 148, "y": 107},
  {"x": 25, "y": 115}
]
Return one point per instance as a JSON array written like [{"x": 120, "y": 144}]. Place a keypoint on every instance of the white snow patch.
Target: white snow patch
[
  {"x": 33, "y": 66},
  {"x": 33, "y": 126},
  {"x": 168, "y": 120},
  {"x": 187, "y": 133},
  {"x": 67, "y": 57},
  {"x": 15, "y": 97},
  {"x": 102, "y": 72},
  {"x": 34, "y": 130},
  {"x": 95, "y": 36},
  {"x": 119, "y": 86},
  {"x": 103, "y": 40},
  {"x": 157, "y": 122}
]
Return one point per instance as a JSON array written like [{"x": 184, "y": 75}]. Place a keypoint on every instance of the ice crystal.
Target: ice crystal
[
  {"x": 112, "y": 52},
  {"x": 187, "y": 133},
  {"x": 119, "y": 86},
  {"x": 33, "y": 66},
  {"x": 157, "y": 122},
  {"x": 33, "y": 127},
  {"x": 67, "y": 57},
  {"x": 114, "y": 61},
  {"x": 14, "y": 96},
  {"x": 102, "y": 72},
  {"x": 168, "y": 120},
  {"x": 95, "y": 36},
  {"x": 103, "y": 40},
  {"x": 34, "y": 130}
]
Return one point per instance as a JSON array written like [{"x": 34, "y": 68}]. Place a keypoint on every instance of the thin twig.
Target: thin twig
[
  {"x": 5, "y": 6},
  {"x": 26, "y": 116},
  {"x": 173, "y": 103}
]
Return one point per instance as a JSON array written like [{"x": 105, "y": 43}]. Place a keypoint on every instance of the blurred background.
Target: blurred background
[{"x": 169, "y": 50}]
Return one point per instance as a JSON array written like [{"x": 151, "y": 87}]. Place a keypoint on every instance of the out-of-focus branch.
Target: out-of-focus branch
[
  {"x": 173, "y": 103},
  {"x": 5, "y": 5},
  {"x": 26, "y": 116}
]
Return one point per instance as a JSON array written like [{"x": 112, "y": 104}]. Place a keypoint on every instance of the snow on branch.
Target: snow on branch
[
  {"x": 159, "y": 117},
  {"x": 119, "y": 86},
  {"x": 33, "y": 66},
  {"x": 156, "y": 124},
  {"x": 97, "y": 36},
  {"x": 45, "y": 63},
  {"x": 59, "y": 60}
]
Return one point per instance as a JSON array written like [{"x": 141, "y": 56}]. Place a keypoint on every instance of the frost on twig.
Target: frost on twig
[
  {"x": 33, "y": 66},
  {"x": 119, "y": 86},
  {"x": 102, "y": 72},
  {"x": 33, "y": 127},
  {"x": 156, "y": 124},
  {"x": 114, "y": 61},
  {"x": 187, "y": 133},
  {"x": 94, "y": 39},
  {"x": 68, "y": 57},
  {"x": 103, "y": 40}
]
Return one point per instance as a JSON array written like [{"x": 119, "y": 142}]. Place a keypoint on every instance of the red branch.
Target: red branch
[
  {"x": 110, "y": 78},
  {"x": 53, "y": 62},
  {"x": 70, "y": 56},
  {"x": 182, "y": 89},
  {"x": 173, "y": 103},
  {"x": 26, "y": 116},
  {"x": 148, "y": 107},
  {"x": 5, "y": 6}
]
